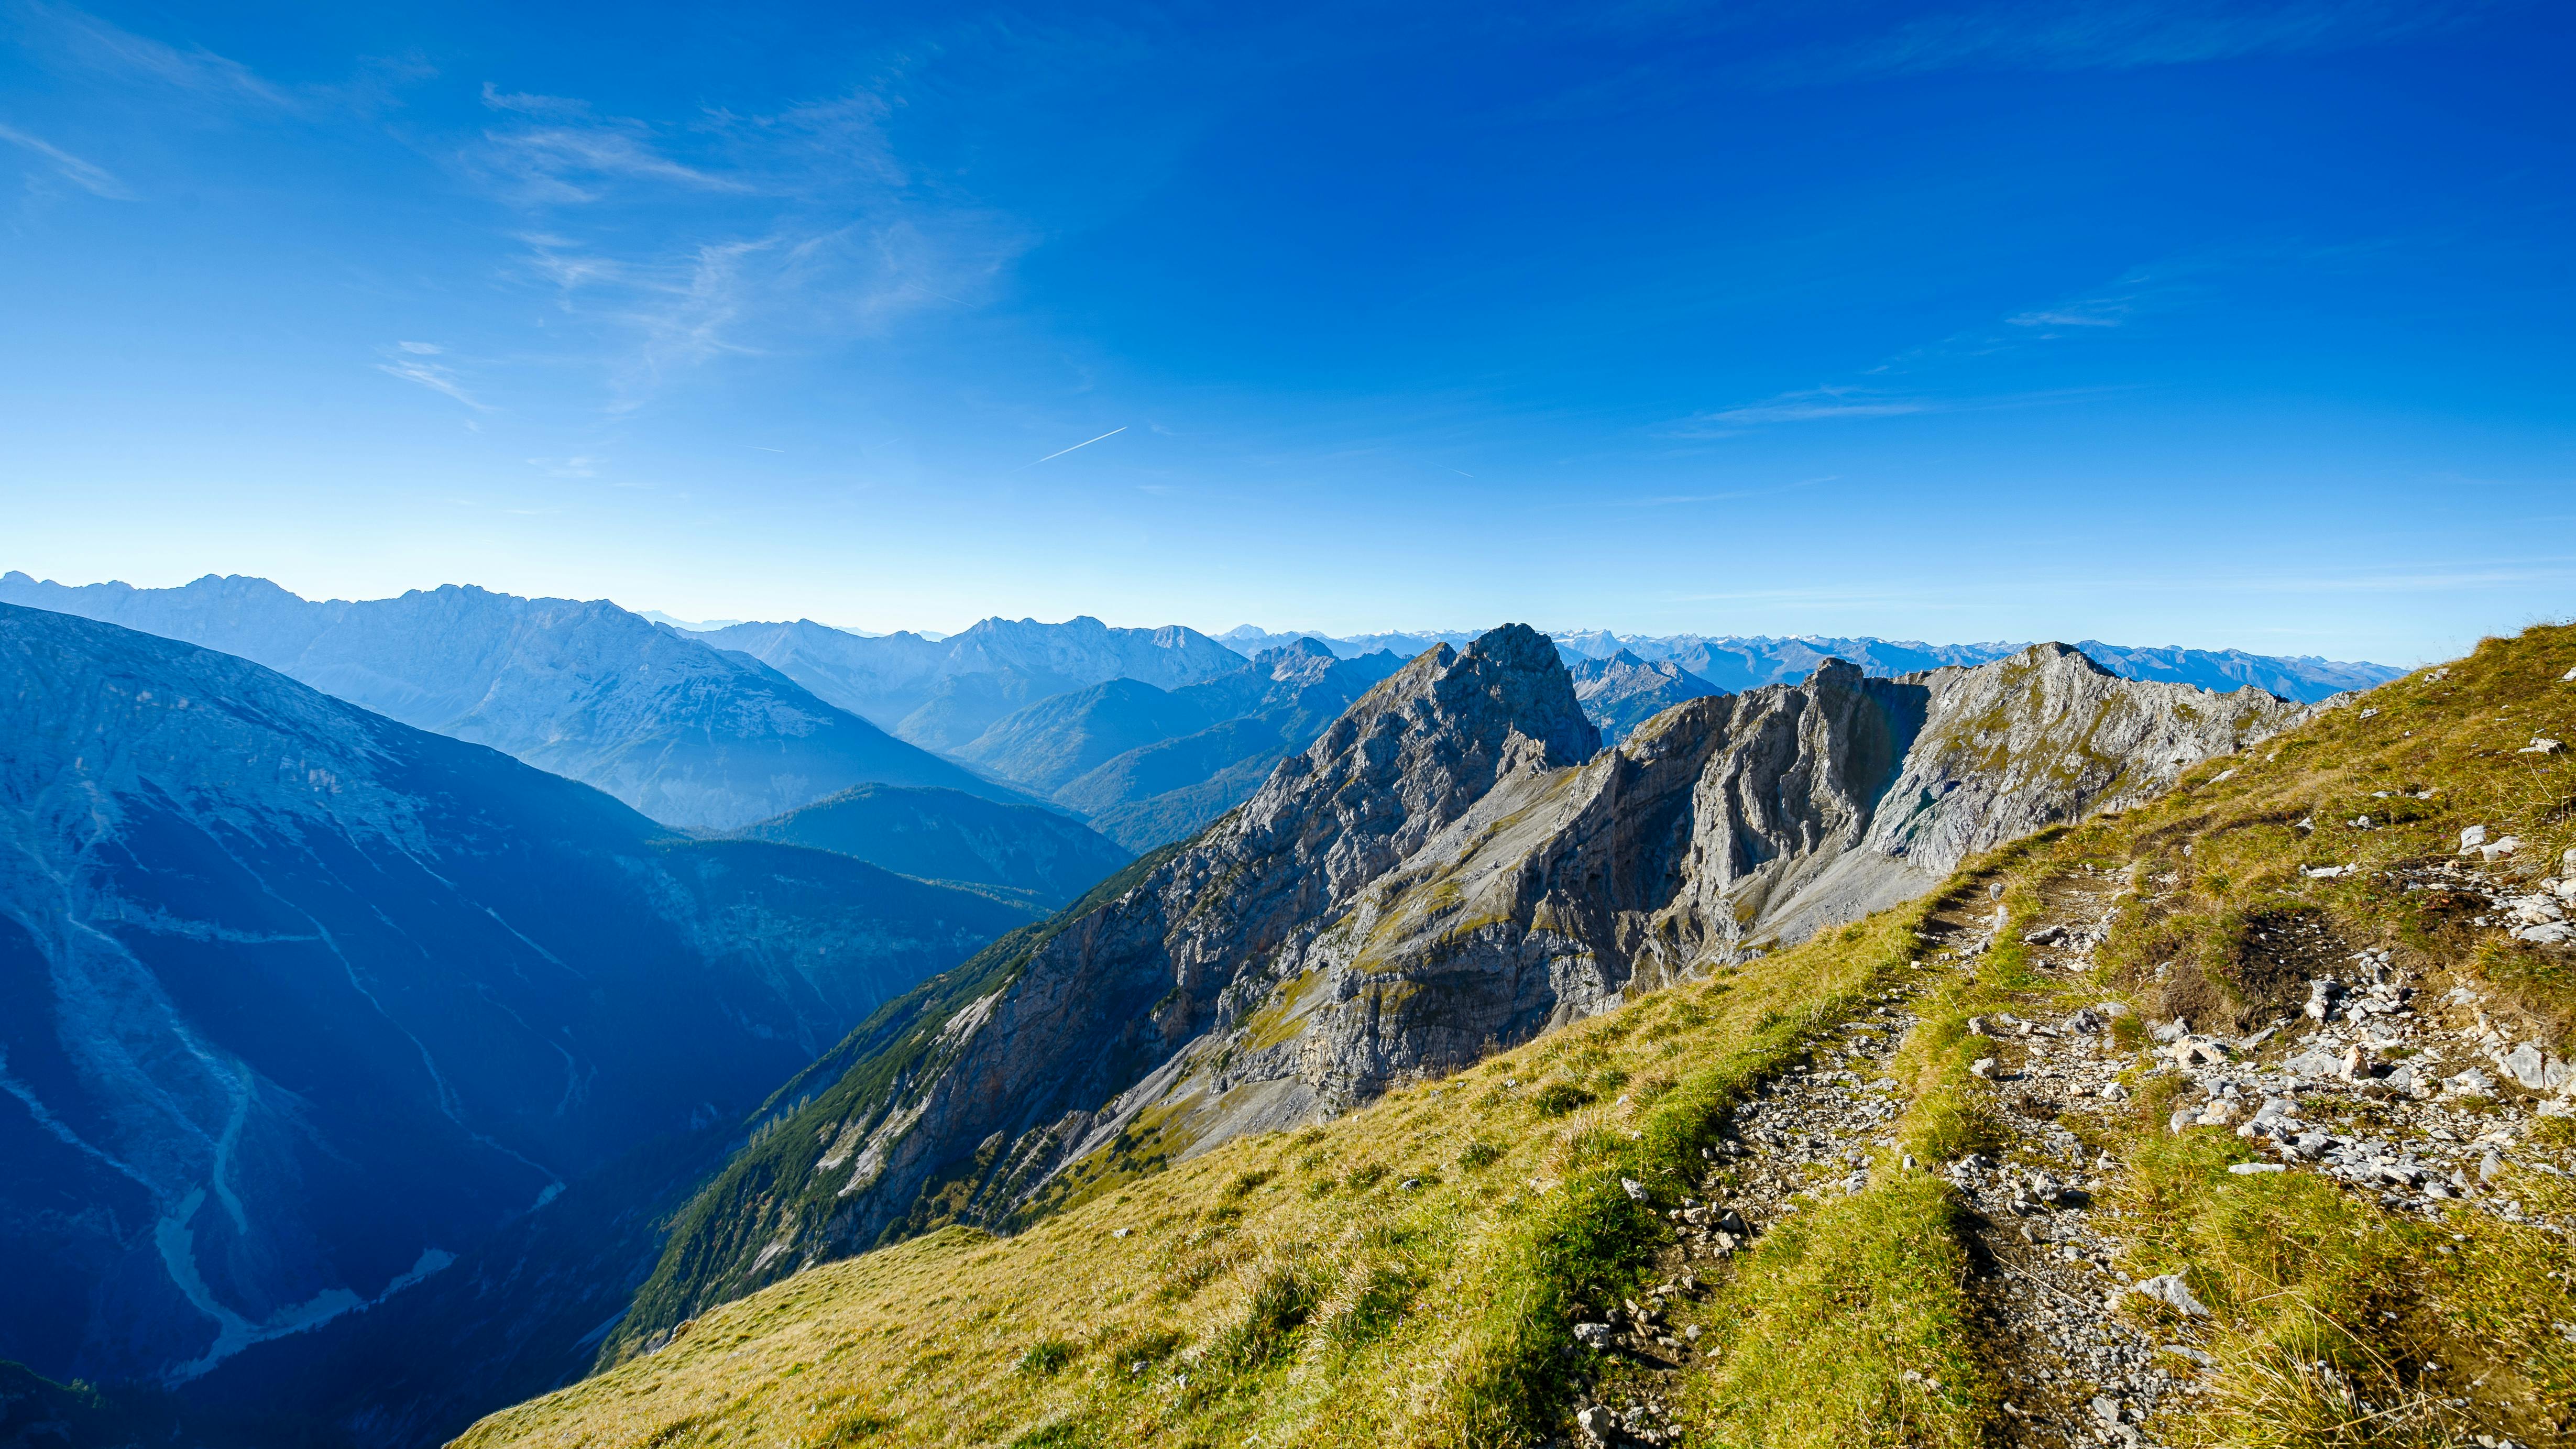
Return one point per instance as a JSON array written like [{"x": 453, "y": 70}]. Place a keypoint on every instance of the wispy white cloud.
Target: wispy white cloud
[
  {"x": 94, "y": 179},
  {"x": 86, "y": 40},
  {"x": 1903, "y": 385},
  {"x": 565, "y": 155},
  {"x": 765, "y": 233},
  {"x": 422, "y": 349},
  {"x": 1818, "y": 404},
  {"x": 580, "y": 467},
  {"x": 406, "y": 363},
  {"x": 67, "y": 38}
]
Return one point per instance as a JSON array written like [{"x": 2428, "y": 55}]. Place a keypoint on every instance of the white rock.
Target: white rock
[
  {"x": 2472, "y": 838},
  {"x": 2168, "y": 1289},
  {"x": 2539, "y": 746},
  {"x": 1636, "y": 1190},
  {"x": 2248, "y": 1169}
]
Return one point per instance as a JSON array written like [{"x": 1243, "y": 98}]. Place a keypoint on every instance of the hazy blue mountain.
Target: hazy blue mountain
[
  {"x": 948, "y": 836},
  {"x": 1048, "y": 743},
  {"x": 1623, "y": 691},
  {"x": 1737, "y": 663},
  {"x": 1171, "y": 789},
  {"x": 297, "y": 1003},
  {"x": 1247, "y": 639},
  {"x": 689, "y": 734},
  {"x": 960, "y": 707},
  {"x": 2304, "y": 677},
  {"x": 943, "y": 692}
]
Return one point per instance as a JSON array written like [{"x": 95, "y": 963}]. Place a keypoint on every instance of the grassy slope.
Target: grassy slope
[{"x": 1407, "y": 1274}]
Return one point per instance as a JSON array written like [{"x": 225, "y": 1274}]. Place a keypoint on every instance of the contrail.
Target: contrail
[{"x": 1085, "y": 443}]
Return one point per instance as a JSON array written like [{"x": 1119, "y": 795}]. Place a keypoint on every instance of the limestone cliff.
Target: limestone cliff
[{"x": 1454, "y": 866}]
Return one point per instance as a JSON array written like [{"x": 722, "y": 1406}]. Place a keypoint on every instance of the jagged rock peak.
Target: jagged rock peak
[{"x": 1418, "y": 749}]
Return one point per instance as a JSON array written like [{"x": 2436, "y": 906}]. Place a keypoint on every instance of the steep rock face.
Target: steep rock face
[
  {"x": 979, "y": 1091},
  {"x": 1732, "y": 822},
  {"x": 948, "y": 836},
  {"x": 297, "y": 1002},
  {"x": 1621, "y": 691},
  {"x": 1451, "y": 867},
  {"x": 690, "y": 735}
]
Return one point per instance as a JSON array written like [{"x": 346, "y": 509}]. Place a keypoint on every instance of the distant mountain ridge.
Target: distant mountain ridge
[
  {"x": 298, "y": 1003},
  {"x": 1736, "y": 663},
  {"x": 941, "y": 693},
  {"x": 1150, "y": 766},
  {"x": 690, "y": 734}
]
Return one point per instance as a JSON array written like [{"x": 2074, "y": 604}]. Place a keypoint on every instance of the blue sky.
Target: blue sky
[{"x": 2210, "y": 324}]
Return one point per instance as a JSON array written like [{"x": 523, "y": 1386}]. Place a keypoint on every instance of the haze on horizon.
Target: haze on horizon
[{"x": 2223, "y": 325}]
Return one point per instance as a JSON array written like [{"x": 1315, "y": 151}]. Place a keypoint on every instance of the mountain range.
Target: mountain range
[
  {"x": 690, "y": 735},
  {"x": 380, "y": 1054},
  {"x": 941, "y": 693},
  {"x": 302, "y": 1002},
  {"x": 1148, "y": 766},
  {"x": 1454, "y": 865},
  {"x": 1737, "y": 662}
]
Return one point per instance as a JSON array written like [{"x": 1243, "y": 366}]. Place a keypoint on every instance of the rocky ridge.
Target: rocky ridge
[{"x": 1452, "y": 867}]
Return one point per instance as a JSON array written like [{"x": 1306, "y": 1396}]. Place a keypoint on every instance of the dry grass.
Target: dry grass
[{"x": 1401, "y": 1275}]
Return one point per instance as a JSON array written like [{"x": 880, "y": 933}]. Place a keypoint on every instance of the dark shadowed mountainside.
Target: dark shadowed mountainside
[
  {"x": 943, "y": 835},
  {"x": 298, "y": 1004}
]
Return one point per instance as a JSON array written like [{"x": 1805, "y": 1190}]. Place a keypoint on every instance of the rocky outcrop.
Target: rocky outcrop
[{"x": 1452, "y": 867}]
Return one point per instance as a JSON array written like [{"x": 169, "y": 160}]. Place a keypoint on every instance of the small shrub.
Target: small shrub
[
  {"x": 1383, "y": 1300},
  {"x": 1246, "y": 1182},
  {"x": 1046, "y": 1356},
  {"x": 1558, "y": 1098},
  {"x": 1280, "y": 1306},
  {"x": 1366, "y": 1176},
  {"x": 1480, "y": 1153},
  {"x": 841, "y": 1425}
]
